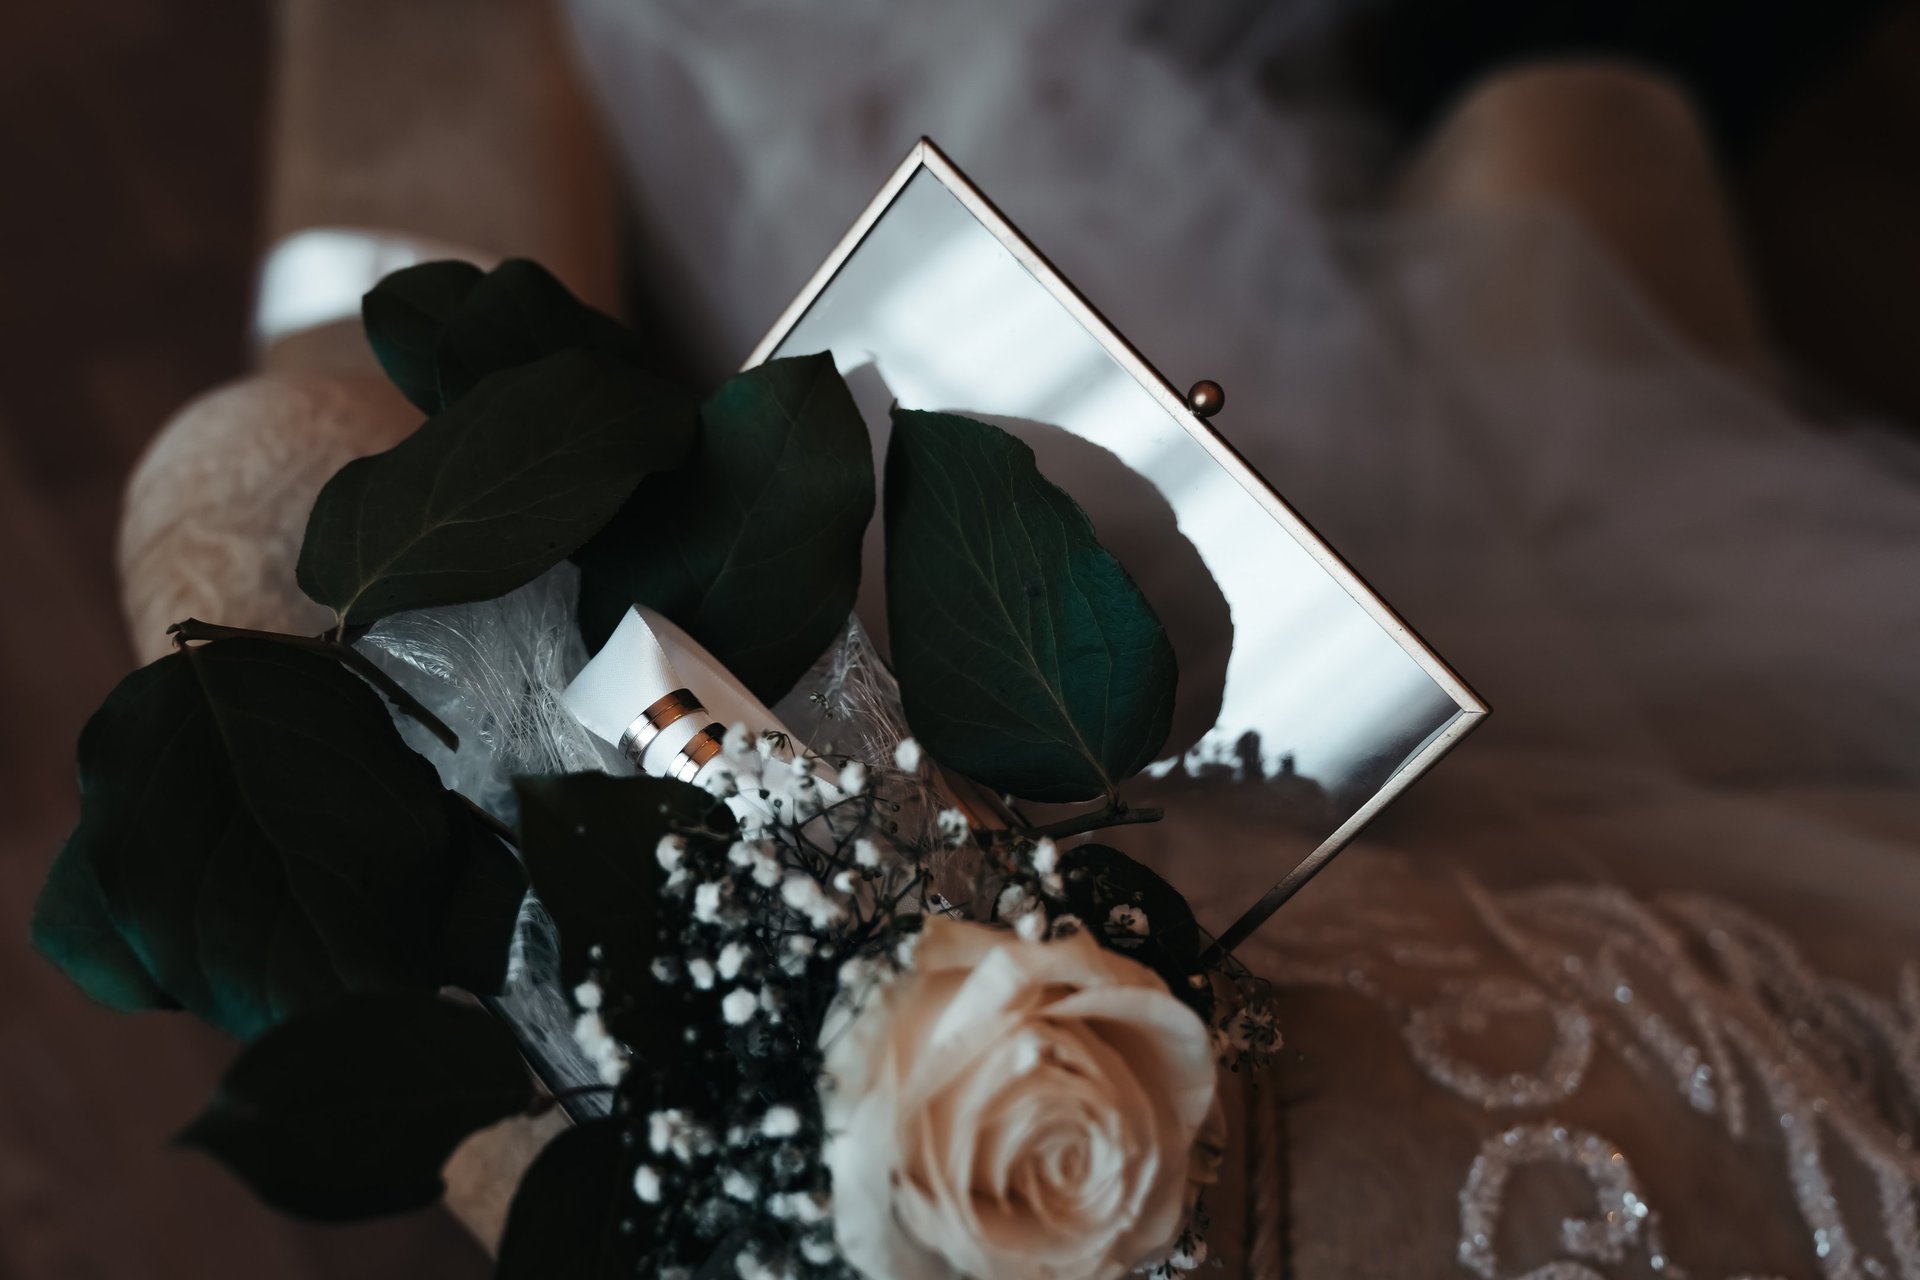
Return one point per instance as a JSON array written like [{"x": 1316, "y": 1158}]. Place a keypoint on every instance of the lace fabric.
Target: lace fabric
[
  {"x": 1700, "y": 999},
  {"x": 1720, "y": 1097}
]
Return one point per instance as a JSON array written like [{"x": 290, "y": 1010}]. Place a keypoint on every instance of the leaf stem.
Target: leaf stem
[
  {"x": 493, "y": 824},
  {"x": 331, "y": 647},
  {"x": 1116, "y": 814},
  {"x": 548, "y": 1101}
]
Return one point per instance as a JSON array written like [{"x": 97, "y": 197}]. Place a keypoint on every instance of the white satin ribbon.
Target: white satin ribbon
[{"x": 646, "y": 658}]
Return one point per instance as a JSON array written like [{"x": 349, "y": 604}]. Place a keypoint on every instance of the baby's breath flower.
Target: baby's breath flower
[
  {"x": 804, "y": 1207},
  {"x": 660, "y": 1130},
  {"x": 588, "y": 1031},
  {"x": 706, "y": 901},
  {"x": 857, "y": 974},
  {"x": 793, "y": 962},
  {"x": 780, "y": 1122},
  {"x": 587, "y": 994},
  {"x": 646, "y": 1184},
  {"x": 907, "y": 756},
  {"x": 952, "y": 826},
  {"x": 804, "y": 894},
  {"x": 739, "y": 1006},
  {"x": 1046, "y": 865},
  {"x": 732, "y": 957},
  {"x": 906, "y": 950},
  {"x": 866, "y": 853},
  {"x": 1128, "y": 920},
  {"x": 767, "y": 871},
  {"x": 1021, "y": 911},
  {"x": 700, "y": 971},
  {"x": 853, "y": 778},
  {"x": 673, "y": 1132},
  {"x": 670, "y": 851},
  {"x": 601, "y": 1049}
]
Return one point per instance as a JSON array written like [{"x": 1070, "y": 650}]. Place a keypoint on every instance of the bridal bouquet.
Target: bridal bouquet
[{"x": 847, "y": 1014}]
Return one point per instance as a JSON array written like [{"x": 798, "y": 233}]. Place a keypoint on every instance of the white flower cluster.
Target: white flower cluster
[
  {"x": 754, "y": 924},
  {"x": 608, "y": 1055}
]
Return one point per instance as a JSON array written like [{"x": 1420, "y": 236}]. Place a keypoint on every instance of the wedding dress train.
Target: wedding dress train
[{"x": 1620, "y": 989}]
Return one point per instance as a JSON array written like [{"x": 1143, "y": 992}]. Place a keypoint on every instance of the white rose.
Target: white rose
[{"x": 1014, "y": 1109}]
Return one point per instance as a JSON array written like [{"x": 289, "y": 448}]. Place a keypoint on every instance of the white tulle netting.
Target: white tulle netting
[
  {"x": 494, "y": 673},
  {"x": 1690, "y": 604}
]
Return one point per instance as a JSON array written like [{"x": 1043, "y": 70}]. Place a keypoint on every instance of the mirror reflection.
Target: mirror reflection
[{"x": 1284, "y": 673}]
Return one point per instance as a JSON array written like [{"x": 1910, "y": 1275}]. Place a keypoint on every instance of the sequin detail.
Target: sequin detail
[{"x": 1691, "y": 993}]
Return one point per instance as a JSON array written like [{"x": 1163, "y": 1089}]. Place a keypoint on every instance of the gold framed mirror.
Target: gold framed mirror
[{"x": 1294, "y": 673}]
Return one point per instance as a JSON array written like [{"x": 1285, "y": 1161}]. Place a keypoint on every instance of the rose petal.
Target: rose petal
[{"x": 1015, "y": 1110}]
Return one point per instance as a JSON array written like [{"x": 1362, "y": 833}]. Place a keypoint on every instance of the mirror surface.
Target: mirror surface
[{"x": 1289, "y": 670}]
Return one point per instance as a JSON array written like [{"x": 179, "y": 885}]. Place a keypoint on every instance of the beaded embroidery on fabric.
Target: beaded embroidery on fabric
[{"x": 1694, "y": 995}]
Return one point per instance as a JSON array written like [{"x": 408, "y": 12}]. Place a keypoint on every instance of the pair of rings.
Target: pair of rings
[{"x": 668, "y": 709}]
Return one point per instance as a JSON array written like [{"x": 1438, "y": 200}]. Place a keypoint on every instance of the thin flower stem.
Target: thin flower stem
[
  {"x": 330, "y": 646},
  {"x": 194, "y": 629},
  {"x": 1114, "y": 815},
  {"x": 405, "y": 702}
]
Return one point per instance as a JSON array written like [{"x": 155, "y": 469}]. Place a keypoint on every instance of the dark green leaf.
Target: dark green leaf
[
  {"x": 754, "y": 545},
  {"x": 71, "y": 927},
  {"x": 494, "y": 491},
  {"x": 589, "y": 840},
  {"x": 564, "y": 1223},
  {"x": 351, "y": 1110},
  {"x": 1027, "y": 658},
  {"x": 404, "y": 316},
  {"x": 518, "y": 314},
  {"x": 476, "y": 932},
  {"x": 1099, "y": 878},
  {"x": 263, "y": 839}
]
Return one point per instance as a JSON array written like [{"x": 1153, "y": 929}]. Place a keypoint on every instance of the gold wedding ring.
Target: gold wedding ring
[
  {"x": 647, "y": 726},
  {"x": 702, "y": 747}
]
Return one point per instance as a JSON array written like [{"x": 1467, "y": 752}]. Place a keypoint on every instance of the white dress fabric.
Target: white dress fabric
[{"x": 1641, "y": 942}]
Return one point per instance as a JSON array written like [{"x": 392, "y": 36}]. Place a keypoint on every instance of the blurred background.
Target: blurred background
[{"x": 142, "y": 144}]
